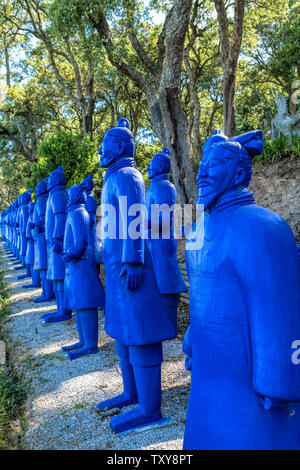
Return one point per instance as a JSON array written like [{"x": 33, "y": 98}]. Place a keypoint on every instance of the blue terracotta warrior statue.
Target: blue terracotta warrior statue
[
  {"x": 136, "y": 314},
  {"x": 39, "y": 238},
  {"x": 18, "y": 233},
  {"x": 24, "y": 214},
  {"x": 83, "y": 290},
  {"x": 29, "y": 260},
  {"x": 244, "y": 311},
  {"x": 161, "y": 241},
  {"x": 91, "y": 207},
  {"x": 55, "y": 221}
]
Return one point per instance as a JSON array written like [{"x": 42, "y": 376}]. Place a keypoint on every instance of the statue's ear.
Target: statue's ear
[
  {"x": 240, "y": 177},
  {"x": 120, "y": 148}
]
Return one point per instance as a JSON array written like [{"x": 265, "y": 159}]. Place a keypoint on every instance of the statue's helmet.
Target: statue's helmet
[
  {"x": 119, "y": 134},
  {"x": 87, "y": 183},
  {"x": 25, "y": 197},
  {"x": 76, "y": 195},
  {"x": 164, "y": 158},
  {"x": 41, "y": 187},
  {"x": 56, "y": 178}
]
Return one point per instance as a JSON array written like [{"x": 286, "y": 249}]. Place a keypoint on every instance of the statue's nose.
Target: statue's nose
[{"x": 202, "y": 170}]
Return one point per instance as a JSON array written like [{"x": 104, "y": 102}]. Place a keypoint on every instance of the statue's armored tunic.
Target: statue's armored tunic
[
  {"x": 30, "y": 244},
  {"x": 24, "y": 213},
  {"x": 56, "y": 205},
  {"x": 91, "y": 207},
  {"x": 163, "y": 247},
  {"x": 40, "y": 246},
  {"x": 83, "y": 289}
]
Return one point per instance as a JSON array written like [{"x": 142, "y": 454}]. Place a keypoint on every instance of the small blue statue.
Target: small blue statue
[
  {"x": 83, "y": 289},
  {"x": 24, "y": 214},
  {"x": 39, "y": 238},
  {"x": 29, "y": 259},
  {"x": 244, "y": 311},
  {"x": 136, "y": 314},
  {"x": 91, "y": 207},
  {"x": 55, "y": 220},
  {"x": 161, "y": 241}
]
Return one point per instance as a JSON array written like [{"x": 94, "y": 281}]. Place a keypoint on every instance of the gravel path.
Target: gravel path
[{"x": 61, "y": 410}]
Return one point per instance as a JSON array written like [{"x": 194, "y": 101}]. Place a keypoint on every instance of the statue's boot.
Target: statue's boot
[
  {"x": 47, "y": 287},
  {"x": 129, "y": 395},
  {"x": 36, "y": 280},
  {"x": 148, "y": 412},
  {"x": 89, "y": 329},
  {"x": 28, "y": 272},
  {"x": 22, "y": 261},
  {"x": 80, "y": 343},
  {"x": 146, "y": 362},
  {"x": 62, "y": 314}
]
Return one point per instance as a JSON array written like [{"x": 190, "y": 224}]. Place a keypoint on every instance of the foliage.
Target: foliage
[
  {"x": 77, "y": 155},
  {"x": 13, "y": 389},
  {"x": 278, "y": 149}
]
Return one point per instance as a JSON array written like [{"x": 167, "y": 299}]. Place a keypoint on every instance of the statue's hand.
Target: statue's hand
[
  {"x": 188, "y": 363},
  {"x": 269, "y": 403},
  {"x": 57, "y": 245},
  {"x": 67, "y": 257},
  {"x": 131, "y": 275}
]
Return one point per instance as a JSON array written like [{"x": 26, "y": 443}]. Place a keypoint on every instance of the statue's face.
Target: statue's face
[
  {"x": 109, "y": 151},
  {"x": 155, "y": 168},
  {"x": 216, "y": 176}
]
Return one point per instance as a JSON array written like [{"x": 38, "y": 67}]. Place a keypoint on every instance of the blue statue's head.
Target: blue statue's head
[
  {"x": 76, "y": 195},
  {"x": 160, "y": 164},
  {"x": 226, "y": 165},
  {"x": 26, "y": 197},
  {"x": 88, "y": 184},
  {"x": 117, "y": 143},
  {"x": 41, "y": 188},
  {"x": 56, "y": 178}
]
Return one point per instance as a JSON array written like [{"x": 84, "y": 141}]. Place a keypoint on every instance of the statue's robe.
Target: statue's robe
[
  {"x": 30, "y": 243},
  {"x": 55, "y": 220},
  {"x": 82, "y": 286},
  {"x": 24, "y": 214},
  {"x": 161, "y": 239},
  {"x": 136, "y": 317},
  {"x": 91, "y": 207},
  {"x": 38, "y": 233},
  {"x": 244, "y": 318}
]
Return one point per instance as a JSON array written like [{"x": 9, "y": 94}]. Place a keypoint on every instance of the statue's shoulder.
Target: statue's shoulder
[
  {"x": 129, "y": 173},
  {"x": 257, "y": 221}
]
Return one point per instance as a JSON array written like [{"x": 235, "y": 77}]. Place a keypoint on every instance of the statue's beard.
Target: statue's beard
[{"x": 207, "y": 198}]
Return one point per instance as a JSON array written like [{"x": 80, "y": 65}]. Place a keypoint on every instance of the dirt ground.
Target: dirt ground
[{"x": 61, "y": 408}]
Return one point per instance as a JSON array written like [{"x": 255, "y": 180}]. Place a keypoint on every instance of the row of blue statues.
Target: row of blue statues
[{"x": 244, "y": 290}]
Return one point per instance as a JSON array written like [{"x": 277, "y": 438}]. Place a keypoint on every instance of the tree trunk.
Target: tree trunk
[{"x": 228, "y": 104}]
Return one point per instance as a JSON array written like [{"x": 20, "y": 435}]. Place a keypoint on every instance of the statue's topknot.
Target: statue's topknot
[
  {"x": 123, "y": 122},
  {"x": 122, "y": 131}
]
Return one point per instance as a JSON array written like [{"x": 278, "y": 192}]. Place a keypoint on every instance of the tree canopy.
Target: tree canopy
[{"x": 177, "y": 70}]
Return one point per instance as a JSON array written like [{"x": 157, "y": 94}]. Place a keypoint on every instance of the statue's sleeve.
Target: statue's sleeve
[
  {"x": 25, "y": 215},
  {"x": 59, "y": 205},
  {"x": 269, "y": 275},
  {"x": 132, "y": 216},
  {"x": 91, "y": 207},
  {"x": 80, "y": 229}
]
